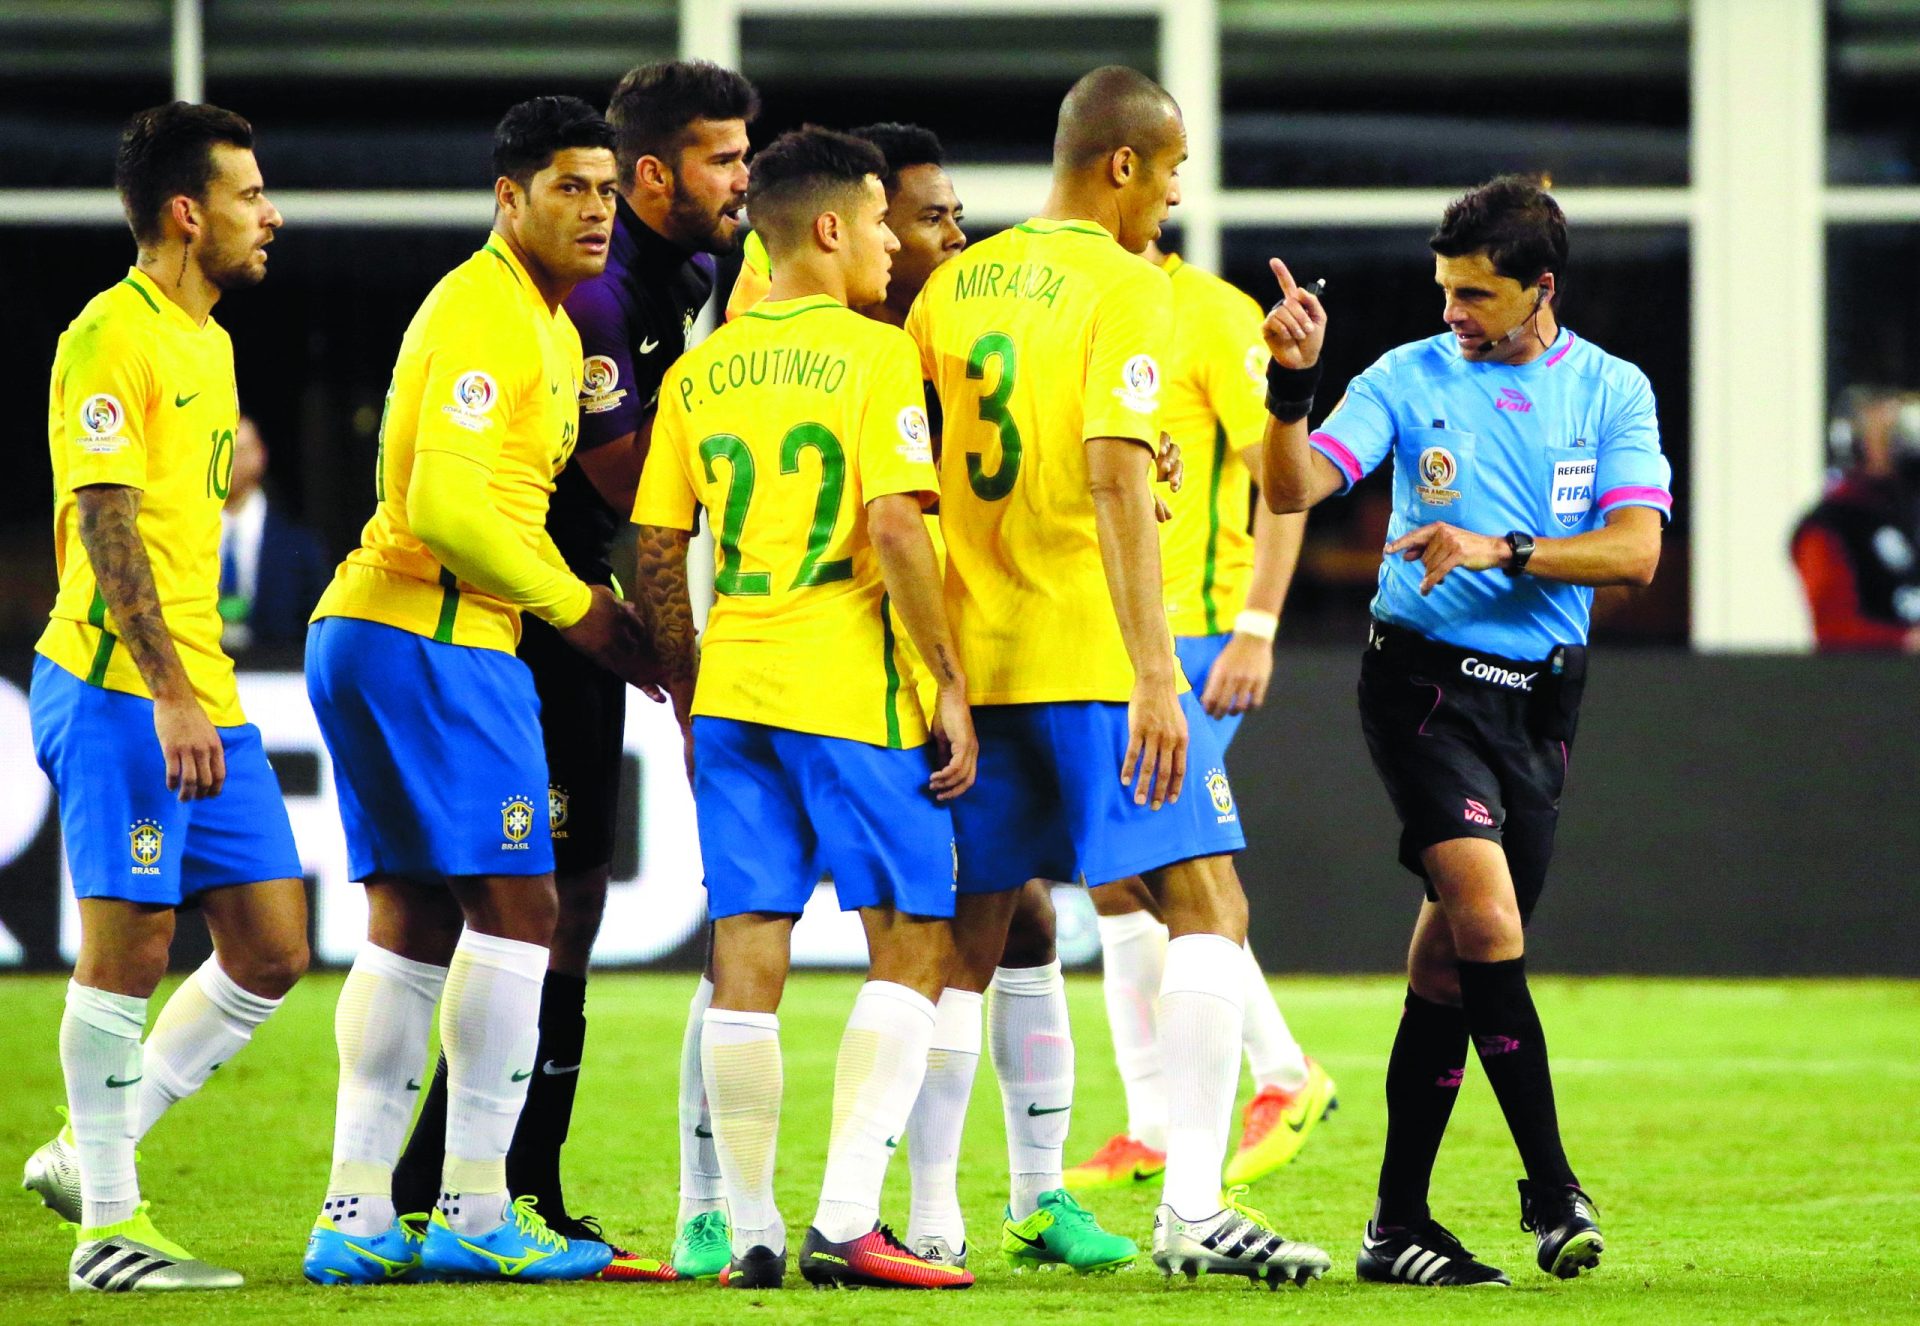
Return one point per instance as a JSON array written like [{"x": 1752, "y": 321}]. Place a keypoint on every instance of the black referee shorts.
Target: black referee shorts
[
  {"x": 583, "y": 720},
  {"x": 1471, "y": 745}
]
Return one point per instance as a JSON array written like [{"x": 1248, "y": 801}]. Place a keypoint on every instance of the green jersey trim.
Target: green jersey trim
[
  {"x": 1211, "y": 568},
  {"x": 141, "y": 291},
  {"x": 449, "y": 605},
  {"x": 893, "y": 673}
]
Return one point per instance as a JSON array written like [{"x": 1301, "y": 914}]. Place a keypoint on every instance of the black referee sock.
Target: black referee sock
[
  {"x": 533, "y": 1161},
  {"x": 1423, "y": 1080},
  {"x": 416, "y": 1178},
  {"x": 1513, "y": 1051}
]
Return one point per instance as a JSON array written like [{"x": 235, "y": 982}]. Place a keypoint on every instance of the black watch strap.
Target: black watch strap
[{"x": 1521, "y": 543}]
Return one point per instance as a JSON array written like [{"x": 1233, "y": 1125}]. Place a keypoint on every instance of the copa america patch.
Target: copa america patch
[{"x": 1573, "y": 482}]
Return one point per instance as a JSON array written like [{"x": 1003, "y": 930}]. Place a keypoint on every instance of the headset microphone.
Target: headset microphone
[{"x": 1539, "y": 301}]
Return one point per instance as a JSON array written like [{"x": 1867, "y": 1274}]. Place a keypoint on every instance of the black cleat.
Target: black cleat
[
  {"x": 1562, "y": 1219},
  {"x": 760, "y": 1268},
  {"x": 1424, "y": 1255}
]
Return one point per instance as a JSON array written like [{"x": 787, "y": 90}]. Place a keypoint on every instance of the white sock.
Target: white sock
[
  {"x": 101, "y": 1059},
  {"x": 877, "y": 1077},
  {"x": 1274, "y": 1057},
  {"x": 490, "y": 1029},
  {"x": 382, "y": 1027},
  {"x": 740, "y": 1059},
  {"x": 701, "y": 1187},
  {"x": 1032, "y": 1047},
  {"x": 1133, "y": 954},
  {"x": 208, "y": 1020},
  {"x": 940, "y": 1117},
  {"x": 1200, "y": 1011}
]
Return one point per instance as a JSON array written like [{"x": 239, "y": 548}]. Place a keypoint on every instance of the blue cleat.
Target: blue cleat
[
  {"x": 389, "y": 1257},
  {"x": 521, "y": 1247}
]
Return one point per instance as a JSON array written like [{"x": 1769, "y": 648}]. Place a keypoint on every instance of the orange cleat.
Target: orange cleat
[
  {"x": 1122, "y": 1161},
  {"x": 875, "y": 1260},
  {"x": 1276, "y": 1123}
]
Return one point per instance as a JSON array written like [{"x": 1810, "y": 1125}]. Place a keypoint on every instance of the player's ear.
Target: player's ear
[
  {"x": 181, "y": 208},
  {"x": 653, "y": 175},
  {"x": 1121, "y": 166},
  {"x": 506, "y": 194},
  {"x": 826, "y": 230}
]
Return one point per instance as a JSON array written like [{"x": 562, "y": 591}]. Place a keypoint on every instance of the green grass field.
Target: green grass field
[{"x": 1752, "y": 1146}]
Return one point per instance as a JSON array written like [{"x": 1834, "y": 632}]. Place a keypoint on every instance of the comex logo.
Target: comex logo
[
  {"x": 1511, "y": 678},
  {"x": 146, "y": 842}
]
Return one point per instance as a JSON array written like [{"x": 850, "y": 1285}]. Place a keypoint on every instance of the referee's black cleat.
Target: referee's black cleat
[
  {"x": 760, "y": 1267},
  {"x": 1562, "y": 1219},
  {"x": 1426, "y": 1254}
]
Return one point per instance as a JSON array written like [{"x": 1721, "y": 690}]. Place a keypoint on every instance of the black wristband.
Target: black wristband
[{"x": 1290, "y": 391}]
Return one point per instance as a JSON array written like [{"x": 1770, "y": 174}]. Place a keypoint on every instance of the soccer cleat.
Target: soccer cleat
[
  {"x": 704, "y": 1246},
  {"x": 53, "y": 1174},
  {"x": 1562, "y": 1219},
  {"x": 1275, "y": 1125},
  {"x": 1122, "y": 1161},
  {"x": 877, "y": 1260},
  {"x": 760, "y": 1267},
  {"x": 133, "y": 1256},
  {"x": 1237, "y": 1240},
  {"x": 520, "y": 1248},
  {"x": 1061, "y": 1232},
  {"x": 1426, "y": 1255},
  {"x": 626, "y": 1266},
  {"x": 337, "y": 1258},
  {"x": 930, "y": 1248}
]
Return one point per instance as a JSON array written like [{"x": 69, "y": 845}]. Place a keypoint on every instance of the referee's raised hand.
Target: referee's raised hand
[{"x": 1296, "y": 327}]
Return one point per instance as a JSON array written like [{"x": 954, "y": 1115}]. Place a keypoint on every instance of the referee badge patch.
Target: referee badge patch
[
  {"x": 1438, "y": 470},
  {"x": 1573, "y": 490}
]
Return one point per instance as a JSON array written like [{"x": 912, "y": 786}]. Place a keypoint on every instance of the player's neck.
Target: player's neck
[
  {"x": 180, "y": 279},
  {"x": 883, "y": 312},
  {"x": 550, "y": 289},
  {"x": 804, "y": 277},
  {"x": 1546, "y": 330},
  {"x": 1068, "y": 202}
]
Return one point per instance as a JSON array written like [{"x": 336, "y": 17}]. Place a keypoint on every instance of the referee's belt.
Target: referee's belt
[{"x": 1413, "y": 649}]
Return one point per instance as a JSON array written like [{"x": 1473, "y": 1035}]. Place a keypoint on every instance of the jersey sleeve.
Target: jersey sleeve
[
  {"x": 1358, "y": 435},
  {"x": 1234, "y": 369},
  {"x": 896, "y": 439},
  {"x": 108, "y": 387},
  {"x": 1631, "y": 470},
  {"x": 920, "y": 332},
  {"x": 1127, "y": 356},
  {"x": 666, "y": 497},
  {"x": 479, "y": 370},
  {"x": 609, "y": 409}
]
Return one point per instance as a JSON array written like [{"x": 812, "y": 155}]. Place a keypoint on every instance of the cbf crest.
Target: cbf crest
[
  {"x": 1573, "y": 482},
  {"x": 1221, "y": 793},
  {"x": 146, "y": 842},
  {"x": 516, "y": 823},
  {"x": 557, "y": 809}
]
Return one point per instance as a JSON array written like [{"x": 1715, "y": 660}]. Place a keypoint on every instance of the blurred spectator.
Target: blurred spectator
[
  {"x": 272, "y": 569},
  {"x": 1856, "y": 550}
]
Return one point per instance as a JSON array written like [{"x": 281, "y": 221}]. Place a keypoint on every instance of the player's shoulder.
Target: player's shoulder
[
  {"x": 122, "y": 321},
  {"x": 1589, "y": 359},
  {"x": 483, "y": 300},
  {"x": 1202, "y": 289}
]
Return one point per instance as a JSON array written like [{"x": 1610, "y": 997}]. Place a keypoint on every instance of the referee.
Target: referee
[{"x": 1526, "y": 471}]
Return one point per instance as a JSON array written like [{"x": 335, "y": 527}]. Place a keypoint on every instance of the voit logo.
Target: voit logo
[
  {"x": 146, "y": 841},
  {"x": 516, "y": 823},
  {"x": 1221, "y": 793}
]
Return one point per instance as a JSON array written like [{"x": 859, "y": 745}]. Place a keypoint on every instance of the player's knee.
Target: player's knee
[
  {"x": 1434, "y": 978},
  {"x": 1030, "y": 936},
  {"x": 272, "y": 969},
  {"x": 1488, "y": 932}
]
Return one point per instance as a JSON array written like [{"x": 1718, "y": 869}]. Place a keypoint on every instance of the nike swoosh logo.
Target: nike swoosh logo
[
  {"x": 553, "y": 388},
  {"x": 648, "y": 347},
  {"x": 116, "y": 1082},
  {"x": 180, "y": 400},
  {"x": 1034, "y": 1111},
  {"x": 523, "y": 1075},
  {"x": 551, "y": 1070},
  {"x": 413, "y": 1084},
  {"x": 892, "y": 1142},
  {"x": 698, "y": 1131},
  {"x": 1041, "y": 1244}
]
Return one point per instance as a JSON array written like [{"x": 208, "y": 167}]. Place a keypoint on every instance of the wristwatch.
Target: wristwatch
[{"x": 1522, "y": 544}]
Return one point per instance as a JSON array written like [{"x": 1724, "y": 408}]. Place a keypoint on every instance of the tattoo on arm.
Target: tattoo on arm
[
  {"x": 664, "y": 604},
  {"x": 110, "y": 532}
]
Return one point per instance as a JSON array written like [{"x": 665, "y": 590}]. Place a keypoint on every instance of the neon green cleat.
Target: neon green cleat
[
  {"x": 134, "y": 1256},
  {"x": 1061, "y": 1232},
  {"x": 704, "y": 1246},
  {"x": 1276, "y": 1123}
]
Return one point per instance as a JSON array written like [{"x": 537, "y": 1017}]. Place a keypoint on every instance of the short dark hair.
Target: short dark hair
[
  {"x": 654, "y": 105},
  {"x": 1514, "y": 220},
  {"x": 904, "y": 146},
  {"x": 802, "y": 169},
  {"x": 167, "y": 151},
  {"x": 531, "y": 133}
]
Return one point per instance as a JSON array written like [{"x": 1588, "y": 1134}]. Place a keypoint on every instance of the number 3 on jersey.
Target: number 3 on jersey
[
  {"x": 993, "y": 410},
  {"x": 730, "y": 579}
]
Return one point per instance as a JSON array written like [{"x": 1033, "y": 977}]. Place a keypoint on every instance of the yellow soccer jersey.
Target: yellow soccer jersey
[
  {"x": 488, "y": 373},
  {"x": 1037, "y": 340},
  {"x": 142, "y": 397},
  {"x": 755, "y": 279},
  {"x": 1214, "y": 406},
  {"x": 783, "y": 426}
]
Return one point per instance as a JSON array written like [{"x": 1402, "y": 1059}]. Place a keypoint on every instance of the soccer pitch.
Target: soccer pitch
[{"x": 1752, "y": 1146}]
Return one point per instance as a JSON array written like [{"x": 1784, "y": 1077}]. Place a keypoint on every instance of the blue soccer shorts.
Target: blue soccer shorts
[
  {"x": 436, "y": 753},
  {"x": 1049, "y": 803},
  {"x": 126, "y": 835},
  {"x": 1197, "y": 655},
  {"x": 780, "y": 809}
]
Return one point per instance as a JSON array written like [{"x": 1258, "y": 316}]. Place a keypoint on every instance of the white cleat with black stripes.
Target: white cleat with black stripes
[
  {"x": 1235, "y": 1241},
  {"x": 53, "y": 1175},
  {"x": 1425, "y": 1255},
  {"x": 119, "y": 1264}
]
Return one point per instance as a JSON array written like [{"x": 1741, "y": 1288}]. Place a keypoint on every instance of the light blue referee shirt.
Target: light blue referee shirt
[{"x": 1549, "y": 447}]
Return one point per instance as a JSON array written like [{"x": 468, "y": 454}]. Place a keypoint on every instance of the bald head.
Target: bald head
[{"x": 1111, "y": 108}]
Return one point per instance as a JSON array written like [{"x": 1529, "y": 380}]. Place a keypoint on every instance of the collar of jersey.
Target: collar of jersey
[
  {"x": 502, "y": 250},
  {"x": 1173, "y": 264},
  {"x": 1037, "y": 225},
  {"x": 774, "y": 310},
  {"x": 165, "y": 307}
]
